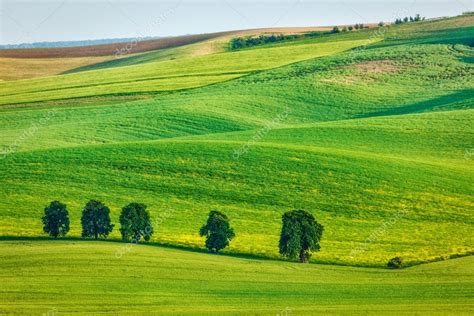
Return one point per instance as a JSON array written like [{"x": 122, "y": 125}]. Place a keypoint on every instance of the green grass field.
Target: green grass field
[
  {"x": 88, "y": 278},
  {"x": 371, "y": 131},
  {"x": 166, "y": 75}
]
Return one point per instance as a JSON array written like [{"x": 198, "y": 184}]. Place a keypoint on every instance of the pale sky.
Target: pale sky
[{"x": 69, "y": 20}]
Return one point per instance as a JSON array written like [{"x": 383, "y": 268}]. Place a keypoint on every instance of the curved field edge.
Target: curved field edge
[
  {"x": 41, "y": 63},
  {"x": 418, "y": 195},
  {"x": 145, "y": 279},
  {"x": 378, "y": 82},
  {"x": 377, "y": 167},
  {"x": 168, "y": 74},
  {"x": 300, "y": 50},
  {"x": 109, "y": 49}
]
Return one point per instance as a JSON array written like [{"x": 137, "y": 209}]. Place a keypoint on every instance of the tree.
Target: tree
[
  {"x": 237, "y": 43},
  {"x": 344, "y": 29},
  {"x": 95, "y": 220},
  {"x": 381, "y": 24},
  {"x": 300, "y": 235},
  {"x": 335, "y": 29},
  {"x": 135, "y": 222},
  {"x": 405, "y": 19},
  {"x": 395, "y": 263},
  {"x": 217, "y": 231},
  {"x": 56, "y": 219},
  {"x": 350, "y": 28}
]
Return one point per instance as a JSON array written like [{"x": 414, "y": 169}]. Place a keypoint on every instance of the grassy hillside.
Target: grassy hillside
[
  {"x": 19, "y": 64},
  {"x": 361, "y": 136},
  {"x": 108, "y": 49},
  {"x": 89, "y": 278},
  {"x": 374, "y": 173},
  {"x": 32, "y": 63},
  {"x": 166, "y": 75},
  {"x": 214, "y": 45},
  {"x": 374, "y": 82}
]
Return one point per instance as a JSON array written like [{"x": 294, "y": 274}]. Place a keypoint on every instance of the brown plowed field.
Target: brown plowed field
[
  {"x": 108, "y": 49},
  {"x": 142, "y": 46}
]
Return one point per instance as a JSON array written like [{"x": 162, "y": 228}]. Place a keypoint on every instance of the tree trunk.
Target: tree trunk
[{"x": 303, "y": 256}]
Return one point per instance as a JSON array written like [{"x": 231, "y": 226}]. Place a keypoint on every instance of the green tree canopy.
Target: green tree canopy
[
  {"x": 217, "y": 231},
  {"x": 95, "y": 220},
  {"x": 135, "y": 222},
  {"x": 300, "y": 235},
  {"x": 56, "y": 219},
  {"x": 395, "y": 263}
]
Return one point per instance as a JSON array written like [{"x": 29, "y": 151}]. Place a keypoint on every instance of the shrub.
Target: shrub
[
  {"x": 300, "y": 235},
  {"x": 395, "y": 263},
  {"x": 335, "y": 29},
  {"x": 249, "y": 41},
  {"x": 217, "y": 231},
  {"x": 95, "y": 220},
  {"x": 56, "y": 219},
  {"x": 135, "y": 222}
]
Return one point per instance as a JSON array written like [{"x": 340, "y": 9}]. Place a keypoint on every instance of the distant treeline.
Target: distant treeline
[
  {"x": 407, "y": 19},
  {"x": 74, "y": 43},
  {"x": 249, "y": 41}
]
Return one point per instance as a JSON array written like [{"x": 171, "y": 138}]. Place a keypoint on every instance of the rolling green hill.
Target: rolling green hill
[
  {"x": 166, "y": 75},
  {"x": 304, "y": 167},
  {"x": 89, "y": 278},
  {"x": 360, "y": 128},
  {"x": 371, "y": 131}
]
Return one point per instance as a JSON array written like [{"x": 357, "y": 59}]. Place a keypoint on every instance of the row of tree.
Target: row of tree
[
  {"x": 134, "y": 221},
  {"x": 359, "y": 26},
  {"x": 249, "y": 41},
  {"x": 299, "y": 238},
  {"x": 407, "y": 19}
]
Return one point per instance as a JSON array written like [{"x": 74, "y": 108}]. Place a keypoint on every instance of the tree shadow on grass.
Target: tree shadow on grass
[
  {"x": 246, "y": 256},
  {"x": 152, "y": 244},
  {"x": 455, "y": 101}
]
